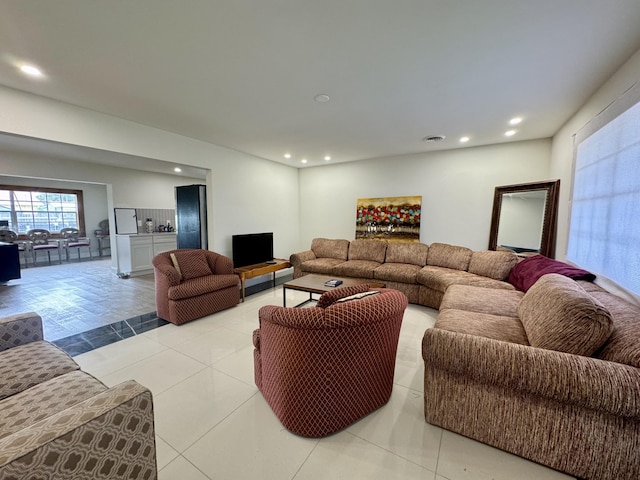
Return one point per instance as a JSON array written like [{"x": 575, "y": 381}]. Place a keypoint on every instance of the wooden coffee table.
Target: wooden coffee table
[{"x": 313, "y": 283}]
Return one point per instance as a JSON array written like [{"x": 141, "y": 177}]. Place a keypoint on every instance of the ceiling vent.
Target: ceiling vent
[{"x": 433, "y": 138}]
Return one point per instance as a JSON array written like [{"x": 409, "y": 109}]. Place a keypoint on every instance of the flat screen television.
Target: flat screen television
[{"x": 252, "y": 248}]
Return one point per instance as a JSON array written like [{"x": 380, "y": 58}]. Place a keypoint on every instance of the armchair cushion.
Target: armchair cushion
[{"x": 193, "y": 264}]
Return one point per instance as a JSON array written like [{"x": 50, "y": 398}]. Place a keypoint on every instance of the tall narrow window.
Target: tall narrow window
[
  {"x": 604, "y": 235},
  {"x": 26, "y": 208}
]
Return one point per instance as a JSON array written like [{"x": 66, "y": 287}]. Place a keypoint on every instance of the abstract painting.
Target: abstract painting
[{"x": 395, "y": 219}]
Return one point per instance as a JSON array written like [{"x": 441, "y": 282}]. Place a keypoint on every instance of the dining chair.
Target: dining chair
[
  {"x": 40, "y": 240},
  {"x": 70, "y": 238}
]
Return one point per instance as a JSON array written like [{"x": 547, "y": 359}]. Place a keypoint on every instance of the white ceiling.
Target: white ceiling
[{"x": 243, "y": 73}]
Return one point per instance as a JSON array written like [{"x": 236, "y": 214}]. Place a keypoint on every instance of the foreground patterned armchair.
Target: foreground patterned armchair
[
  {"x": 58, "y": 422},
  {"x": 192, "y": 283},
  {"x": 321, "y": 369}
]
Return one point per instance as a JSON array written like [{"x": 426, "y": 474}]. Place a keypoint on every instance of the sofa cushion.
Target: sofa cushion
[
  {"x": 492, "y": 264},
  {"x": 27, "y": 365},
  {"x": 449, "y": 256},
  {"x": 529, "y": 270},
  {"x": 412, "y": 253},
  {"x": 623, "y": 346},
  {"x": 356, "y": 268},
  {"x": 397, "y": 272},
  {"x": 329, "y": 248},
  {"x": 373, "y": 250},
  {"x": 320, "y": 265},
  {"x": 193, "y": 264},
  {"x": 45, "y": 399},
  {"x": 503, "y": 328},
  {"x": 201, "y": 285},
  {"x": 558, "y": 314},
  {"x": 482, "y": 300},
  {"x": 439, "y": 279}
]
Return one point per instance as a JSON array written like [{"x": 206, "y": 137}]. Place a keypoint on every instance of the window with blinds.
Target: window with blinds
[{"x": 604, "y": 234}]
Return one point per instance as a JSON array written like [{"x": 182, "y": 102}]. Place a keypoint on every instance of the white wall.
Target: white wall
[
  {"x": 245, "y": 194},
  {"x": 457, "y": 189},
  {"x": 562, "y": 145}
]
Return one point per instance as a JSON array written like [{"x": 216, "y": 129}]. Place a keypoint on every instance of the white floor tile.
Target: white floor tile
[
  {"x": 238, "y": 365},
  {"x": 250, "y": 444},
  {"x": 164, "y": 453},
  {"x": 181, "y": 469},
  {"x": 345, "y": 456},
  {"x": 464, "y": 459},
  {"x": 171, "y": 335},
  {"x": 214, "y": 345},
  {"x": 118, "y": 355},
  {"x": 187, "y": 411},
  {"x": 399, "y": 427},
  {"x": 158, "y": 372}
]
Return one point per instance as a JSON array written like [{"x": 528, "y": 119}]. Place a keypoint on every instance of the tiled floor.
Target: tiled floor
[
  {"x": 77, "y": 296},
  {"x": 212, "y": 423}
]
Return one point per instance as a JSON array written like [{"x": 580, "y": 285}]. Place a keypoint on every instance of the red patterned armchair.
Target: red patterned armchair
[
  {"x": 193, "y": 283},
  {"x": 322, "y": 369}
]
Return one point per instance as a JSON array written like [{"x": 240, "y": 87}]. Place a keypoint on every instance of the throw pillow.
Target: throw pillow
[
  {"x": 174, "y": 260},
  {"x": 557, "y": 314},
  {"x": 193, "y": 264},
  {"x": 529, "y": 270},
  {"x": 330, "y": 297}
]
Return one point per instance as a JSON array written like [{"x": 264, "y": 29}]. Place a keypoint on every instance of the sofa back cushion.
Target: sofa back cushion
[
  {"x": 373, "y": 250},
  {"x": 449, "y": 256},
  {"x": 328, "y": 248},
  {"x": 410, "y": 253},
  {"x": 558, "y": 314},
  {"x": 193, "y": 264},
  {"x": 496, "y": 265}
]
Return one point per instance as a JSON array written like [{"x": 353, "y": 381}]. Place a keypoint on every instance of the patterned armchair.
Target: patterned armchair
[
  {"x": 59, "y": 422},
  {"x": 192, "y": 283},
  {"x": 322, "y": 369}
]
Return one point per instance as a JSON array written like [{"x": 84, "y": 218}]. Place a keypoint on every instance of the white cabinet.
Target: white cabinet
[
  {"x": 163, "y": 242},
  {"x": 135, "y": 252}
]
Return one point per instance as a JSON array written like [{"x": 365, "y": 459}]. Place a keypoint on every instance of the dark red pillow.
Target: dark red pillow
[{"x": 529, "y": 270}]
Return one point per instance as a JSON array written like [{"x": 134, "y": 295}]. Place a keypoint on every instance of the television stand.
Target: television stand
[{"x": 251, "y": 271}]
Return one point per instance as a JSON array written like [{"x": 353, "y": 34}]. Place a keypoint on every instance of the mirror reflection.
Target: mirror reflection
[
  {"x": 524, "y": 218},
  {"x": 521, "y": 221}
]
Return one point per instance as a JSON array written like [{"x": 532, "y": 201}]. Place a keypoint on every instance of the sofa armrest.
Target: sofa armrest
[
  {"x": 169, "y": 274},
  {"x": 110, "y": 435},
  {"x": 583, "y": 381},
  {"x": 297, "y": 259},
  {"x": 224, "y": 266},
  {"x": 20, "y": 329}
]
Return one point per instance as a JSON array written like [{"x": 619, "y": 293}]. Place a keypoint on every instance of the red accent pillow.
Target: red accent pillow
[{"x": 529, "y": 270}]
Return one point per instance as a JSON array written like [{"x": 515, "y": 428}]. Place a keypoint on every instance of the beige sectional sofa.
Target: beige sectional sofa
[
  {"x": 59, "y": 422},
  {"x": 552, "y": 375},
  {"x": 422, "y": 272}
]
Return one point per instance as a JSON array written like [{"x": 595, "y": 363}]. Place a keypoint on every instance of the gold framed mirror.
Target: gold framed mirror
[{"x": 524, "y": 218}]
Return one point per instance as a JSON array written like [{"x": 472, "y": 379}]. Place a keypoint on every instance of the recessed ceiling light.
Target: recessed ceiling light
[
  {"x": 177, "y": 169},
  {"x": 327, "y": 158},
  {"x": 31, "y": 70},
  {"x": 515, "y": 121},
  {"x": 464, "y": 139},
  {"x": 287, "y": 155},
  {"x": 510, "y": 133},
  {"x": 304, "y": 160},
  {"x": 322, "y": 98}
]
